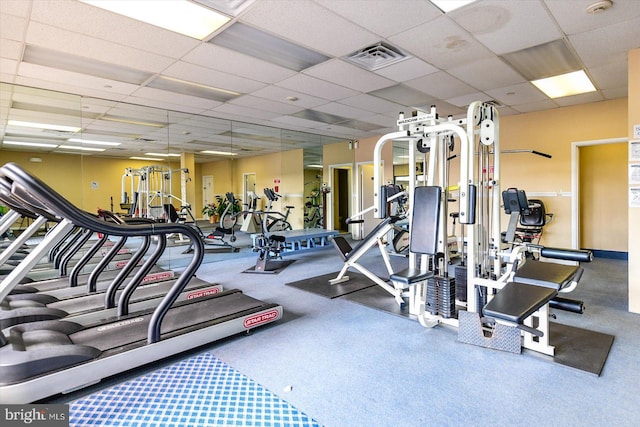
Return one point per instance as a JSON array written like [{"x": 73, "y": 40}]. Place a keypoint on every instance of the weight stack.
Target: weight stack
[
  {"x": 461, "y": 282},
  {"x": 432, "y": 296},
  {"x": 447, "y": 296}
]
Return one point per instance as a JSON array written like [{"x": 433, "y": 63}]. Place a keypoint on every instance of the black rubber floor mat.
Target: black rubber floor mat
[
  {"x": 320, "y": 284},
  {"x": 580, "y": 348},
  {"x": 378, "y": 298},
  {"x": 273, "y": 267}
]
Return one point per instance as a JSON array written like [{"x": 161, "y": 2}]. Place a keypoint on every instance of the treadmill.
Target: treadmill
[{"x": 43, "y": 358}]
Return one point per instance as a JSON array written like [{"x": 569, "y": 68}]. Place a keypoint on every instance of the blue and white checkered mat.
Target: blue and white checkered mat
[{"x": 200, "y": 391}]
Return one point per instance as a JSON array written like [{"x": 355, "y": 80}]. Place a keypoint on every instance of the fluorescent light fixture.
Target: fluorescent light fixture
[
  {"x": 76, "y": 147},
  {"x": 544, "y": 60},
  {"x": 29, "y": 144},
  {"x": 253, "y": 42},
  {"x": 90, "y": 142},
  {"x": 567, "y": 84},
  {"x": 151, "y": 159},
  {"x": 449, "y": 5},
  {"x": 132, "y": 122},
  {"x": 43, "y": 126},
  {"x": 77, "y": 64},
  {"x": 194, "y": 89},
  {"x": 219, "y": 153},
  {"x": 180, "y": 16},
  {"x": 162, "y": 154}
]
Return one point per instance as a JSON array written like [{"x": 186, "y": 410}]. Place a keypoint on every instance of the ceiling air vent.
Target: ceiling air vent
[{"x": 377, "y": 56}]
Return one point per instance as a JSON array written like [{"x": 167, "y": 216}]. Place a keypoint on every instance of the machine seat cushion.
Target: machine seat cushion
[
  {"x": 410, "y": 276},
  {"x": 547, "y": 274},
  {"x": 517, "y": 301}
]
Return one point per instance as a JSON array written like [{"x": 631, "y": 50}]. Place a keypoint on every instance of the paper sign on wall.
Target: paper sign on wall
[{"x": 636, "y": 131}]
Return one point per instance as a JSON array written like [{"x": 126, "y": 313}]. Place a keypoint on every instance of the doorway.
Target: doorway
[
  {"x": 339, "y": 199},
  {"x": 207, "y": 190},
  {"x": 599, "y": 192}
]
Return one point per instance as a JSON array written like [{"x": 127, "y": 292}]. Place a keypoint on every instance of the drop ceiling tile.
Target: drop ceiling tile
[
  {"x": 535, "y": 106},
  {"x": 517, "y": 94},
  {"x": 372, "y": 104},
  {"x": 384, "y": 121},
  {"x": 583, "y": 98},
  {"x": 408, "y": 69},
  {"x": 197, "y": 74},
  {"x": 17, "y": 7},
  {"x": 465, "y": 100},
  {"x": 504, "y": 26},
  {"x": 621, "y": 92},
  {"x": 441, "y": 43},
  {"x": 79, "y": 80},
  {"x": 10, "y": 49},
  {"x": 440, "y": 85},
  {"x": 347, "y": 75},
  {"x": 487, "y": 73},
  {"x": 8, "y": 68},
  {"x": 316, "y": 87},
  {"x": 12, "y": 27},
  {"x": 89, "y": 47},
  {"x": 277, "y": 108},
  {"x": 301, "y": 123},
  {"x": 340, "y": 109},
  {"x": 240, "y": 110},
  {"x": 610, "y": 75},
  {"x": 572, "y": 17},
  {"x": 279, "y": 94},
  {"x": 403, "y": 95},
  {"x": 607, "y": 44},
  {"x": 384, "y": 17},
  {"x": 65, "y": 87},
  {"x": 174, "y": 101},
  {"x": 98, "y": 23},
  {"x": 306, "y": 24},
  {"x": 222, "y": 59}
]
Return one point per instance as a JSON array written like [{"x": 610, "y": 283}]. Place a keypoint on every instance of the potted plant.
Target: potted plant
[{"x": 211, "y": 210}]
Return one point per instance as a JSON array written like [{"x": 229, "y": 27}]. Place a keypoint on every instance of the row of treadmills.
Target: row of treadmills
[{"x": 79, "y": 307}]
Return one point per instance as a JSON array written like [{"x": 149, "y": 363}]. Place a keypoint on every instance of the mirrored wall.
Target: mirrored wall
[{"x": 135, "y": 160}]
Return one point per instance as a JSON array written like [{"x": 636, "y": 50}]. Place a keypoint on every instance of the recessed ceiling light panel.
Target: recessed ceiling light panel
[
  {"x": 180, "y": 16},
  {"x": 253, "y": 42}
]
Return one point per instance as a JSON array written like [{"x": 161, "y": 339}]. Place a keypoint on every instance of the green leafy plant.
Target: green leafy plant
[{"x": 210, "y": 209}]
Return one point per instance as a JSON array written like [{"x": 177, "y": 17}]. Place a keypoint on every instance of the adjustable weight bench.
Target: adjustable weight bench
[
  {"x": 351, "y": 255},
  {"x": 534, "y": 286}
]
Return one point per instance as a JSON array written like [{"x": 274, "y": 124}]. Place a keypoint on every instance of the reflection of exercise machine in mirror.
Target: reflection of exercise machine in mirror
[
  {"x": 152, "y": 199},
  {"x": 275, "y": 220},
  {"x": 251, "y": 221},
  {"x": 314, "y": 208}
]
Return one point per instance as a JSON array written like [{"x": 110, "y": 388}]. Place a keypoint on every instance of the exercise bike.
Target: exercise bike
[
  {"x": 269, "y": 248},
  {"x": 273, "y": 221}
]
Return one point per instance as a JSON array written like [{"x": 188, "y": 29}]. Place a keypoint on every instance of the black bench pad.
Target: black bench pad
[
  {"x": 548, "y": 274},
  {"x": 410, "y": 275},
  {"x": 517, "y": 301}
]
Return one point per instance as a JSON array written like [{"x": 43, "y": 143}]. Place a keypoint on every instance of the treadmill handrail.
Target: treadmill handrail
[{"x": 54, "y": 202}]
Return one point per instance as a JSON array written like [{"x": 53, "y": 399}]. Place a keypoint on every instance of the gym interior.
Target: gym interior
[{"x": 321, "y": 212}]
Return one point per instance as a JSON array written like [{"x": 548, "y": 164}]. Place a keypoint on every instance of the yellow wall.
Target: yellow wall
[
  {"x": 603, "y": 195},
  {"x": 634, "y": 213},
  {"x": 222, "y": 172},
  {"x": 72, "y": 176},
  {"x": 553, "y": 132}
]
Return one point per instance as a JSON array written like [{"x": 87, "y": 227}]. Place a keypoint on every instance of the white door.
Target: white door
[{"x": 207, "y": 190}]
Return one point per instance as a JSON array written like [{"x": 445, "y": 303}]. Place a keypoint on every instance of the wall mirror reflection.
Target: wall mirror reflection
[{"x": 230, "y": 180}]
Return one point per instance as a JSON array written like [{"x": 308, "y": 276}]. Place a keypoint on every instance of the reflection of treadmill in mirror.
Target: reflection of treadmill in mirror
[{"x": 43, "y": 358}]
